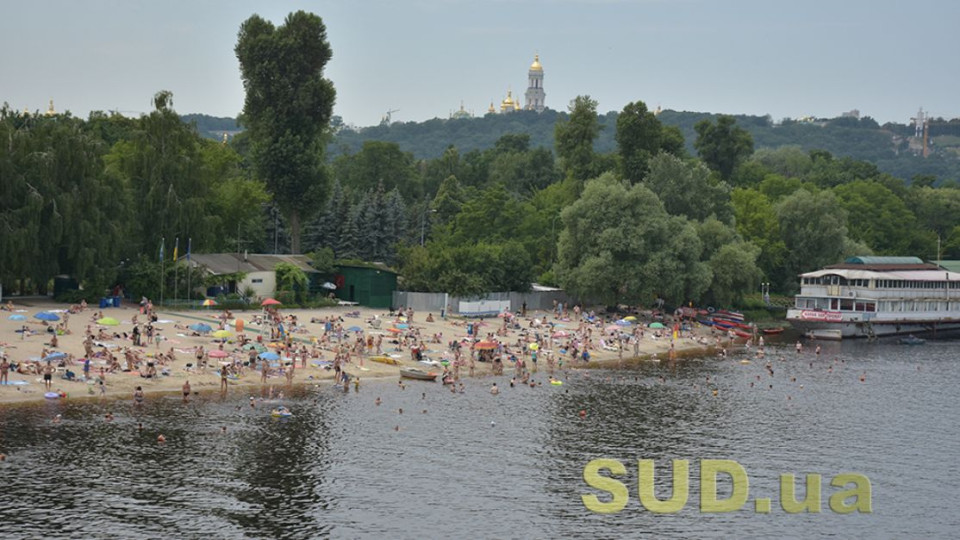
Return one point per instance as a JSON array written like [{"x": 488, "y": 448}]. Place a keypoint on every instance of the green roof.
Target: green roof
[
  {"x": 952, "y": 266},
  {"x": 883, "y": 260}
]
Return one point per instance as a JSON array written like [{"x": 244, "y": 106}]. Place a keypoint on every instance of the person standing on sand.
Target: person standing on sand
[
  {"x": 48, "y": 375},
  {"x": 186, "y": 391},
  {"x": 4, "y": 370},
  {"x": 224, "y": 372}
]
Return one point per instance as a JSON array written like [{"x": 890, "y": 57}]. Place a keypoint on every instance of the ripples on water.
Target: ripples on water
[{"x": 507, "y": 466}]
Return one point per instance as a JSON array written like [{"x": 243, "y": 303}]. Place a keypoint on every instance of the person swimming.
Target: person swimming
[{"x": 494, "y": 390}]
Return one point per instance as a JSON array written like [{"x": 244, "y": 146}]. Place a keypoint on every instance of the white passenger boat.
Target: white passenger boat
[{"x": 877, "y": 296}]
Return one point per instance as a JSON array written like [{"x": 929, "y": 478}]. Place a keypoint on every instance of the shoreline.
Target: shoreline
[{"x": 121, "y": 385}]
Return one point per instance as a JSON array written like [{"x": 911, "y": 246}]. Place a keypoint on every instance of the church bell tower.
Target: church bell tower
[{"x": 535, "y": 95}]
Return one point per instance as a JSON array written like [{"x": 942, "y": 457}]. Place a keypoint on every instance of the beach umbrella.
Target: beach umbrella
[
  {"x": 209, "y": 302},
  {"x": 269, "y": 356},
  {"x": 220, "y": 334},
  {"x": 47, "y": 316},
  {"x": 54, "y": 356},
  {"x": 354, "y": 329},
  {"x": 329, "y": 286},
  {"x": 394, "y": 330},
  {"x": 17, "y": 318},
  {"x": 561, "y": 334},
  {"x": 505, "y": 315},
  {"x": 402, "y": 326},
  {"x": 486, "y": 345},
  {"x": 623, "y": 322},
  {"x": 270, "y": 302},
  {"x": 217, "y": 353},
  {"x": 275, "y": 345},
  {"x": 108, "y": 321},
  {"x": 203, "y": 328},
  {"x": 630, "y": 318},
  {"x": 534, "y": 347},
  {"x": 657, "y": 325}
]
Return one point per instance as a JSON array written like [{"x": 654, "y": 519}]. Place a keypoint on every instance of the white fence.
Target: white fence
[{"x": 487, "y": 305}]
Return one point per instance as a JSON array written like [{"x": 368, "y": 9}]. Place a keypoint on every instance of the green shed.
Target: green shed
[{"x": 368, "y": 285}]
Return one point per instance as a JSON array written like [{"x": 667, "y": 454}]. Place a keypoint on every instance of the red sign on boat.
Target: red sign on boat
[{"x": 829, "y": 316}]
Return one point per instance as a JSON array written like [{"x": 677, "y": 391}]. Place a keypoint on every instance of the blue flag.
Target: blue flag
[{"x": 161, "y": 249}]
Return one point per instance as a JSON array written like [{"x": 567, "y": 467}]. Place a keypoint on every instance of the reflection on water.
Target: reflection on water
[{"x": 507, "y": 466}]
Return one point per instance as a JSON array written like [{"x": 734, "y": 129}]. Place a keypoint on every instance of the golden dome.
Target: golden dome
[
  {"x": 535, "y": 66},
  {"x": 507, "y": 103}
]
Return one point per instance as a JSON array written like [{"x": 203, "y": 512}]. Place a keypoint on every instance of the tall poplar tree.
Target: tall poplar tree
[{"x": 287, "y": 110}]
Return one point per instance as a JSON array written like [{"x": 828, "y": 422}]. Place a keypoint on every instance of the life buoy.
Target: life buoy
[
  {"x": 339, "y": 280},
  {"x": 710, "y": 310}
]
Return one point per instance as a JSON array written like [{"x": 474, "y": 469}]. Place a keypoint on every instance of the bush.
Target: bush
[{"x": 76, "y": 295}]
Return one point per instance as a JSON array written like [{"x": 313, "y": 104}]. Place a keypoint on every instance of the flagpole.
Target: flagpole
[
  {"x": 189, "y": 240},
  {"x": 175, "y": 268},
  {"x": 162, "y": 267}
]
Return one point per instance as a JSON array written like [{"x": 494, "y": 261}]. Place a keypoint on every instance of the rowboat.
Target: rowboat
[
  {"x": 771, "y": 331},
  {"x": 911, "y": 340},
  {"x": 416, "y": 373},
  {"x": 384, "y": 359}
]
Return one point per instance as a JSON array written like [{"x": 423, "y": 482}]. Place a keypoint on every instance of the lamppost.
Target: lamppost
[
  {"x": 423, "y": 221},
  {"x": 553, "y": 236}
]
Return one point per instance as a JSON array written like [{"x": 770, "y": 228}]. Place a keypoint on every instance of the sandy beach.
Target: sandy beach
[{"x": 172, "y": 327}]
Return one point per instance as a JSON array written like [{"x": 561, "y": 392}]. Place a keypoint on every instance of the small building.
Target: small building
[
  {"x": 369, "y": 285},
  {"x": 258, "y": 270}
]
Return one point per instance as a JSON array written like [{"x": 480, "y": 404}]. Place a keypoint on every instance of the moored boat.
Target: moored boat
[
  {"x": 416, "y": 373},
  {"x": 875, "y": 297},
  {"x": 911, "y": 340},
  {"x": 773, "y": 331}
]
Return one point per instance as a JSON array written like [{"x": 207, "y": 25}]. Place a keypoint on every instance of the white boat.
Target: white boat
[{"x": 877, "y": 296}]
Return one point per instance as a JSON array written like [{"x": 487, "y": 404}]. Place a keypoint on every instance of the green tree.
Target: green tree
[
  {"x": 757, "y": 223},
  {"x": 814, "y": 231},
  {"x": 287, "y": 109},
  {"x": 686, "y": 188},
  {"x": 877, "y": 217},
  {"x": 724, "y": 145},
  {"x": 290, "y": 278},
  {"x": 448, "y": 201},
  {"x": 735, "y": 272},
  {"x": 574, "y": 139},
  {"x": 378, "y": 163},
  {"x": 619, "y": 245},
  {"x": 639, "y": 136}
]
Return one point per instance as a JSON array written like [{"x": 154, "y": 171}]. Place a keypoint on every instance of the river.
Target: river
[{"x": 507, "y": 466}]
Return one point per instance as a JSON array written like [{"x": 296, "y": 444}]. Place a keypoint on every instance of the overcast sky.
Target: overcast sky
[{"x": 786, "y": 58}]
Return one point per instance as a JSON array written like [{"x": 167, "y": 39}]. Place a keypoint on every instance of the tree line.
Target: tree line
[{"x": 657, "y": 216}]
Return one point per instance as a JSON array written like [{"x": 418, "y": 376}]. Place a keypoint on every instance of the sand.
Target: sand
[{"x": 120, "y": 384}]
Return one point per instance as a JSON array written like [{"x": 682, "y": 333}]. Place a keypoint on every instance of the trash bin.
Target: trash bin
[
  {"x": 469, "y": 329},
  {"x": 104, "y": 303},
  {"x": 116, "y": 301}
]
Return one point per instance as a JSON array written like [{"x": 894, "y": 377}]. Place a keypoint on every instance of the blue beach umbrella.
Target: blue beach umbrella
[
  {"x": 47, "y": 316},
  {"x": 269, "y": 355},
  {"x": 203, "y": 328},
  {"x": 354, "y": 329},
  {"x": 402, "y": 325},
  {"x": 54, "y": 356},
  {"x": 623, "y": 322},
  {"x": 17, "y": 318}
]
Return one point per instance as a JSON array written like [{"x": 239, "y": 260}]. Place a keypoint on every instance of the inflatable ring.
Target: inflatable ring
[{"x": 710, "y": 309}]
